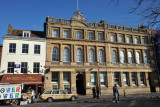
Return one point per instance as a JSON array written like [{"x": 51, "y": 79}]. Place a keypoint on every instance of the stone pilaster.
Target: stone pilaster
[
  {"x": 143, "y": 59},
  {"x": 61, "y": 53},
  {"x": 96, "y": 35},
  {"x": 121, "y": 79},
  {"x": 138, "y": 79},
  {"x": 61, "y": 32},
  {"x": 60, "y": 80},
  {"x": 127, "y": 61},
  {"x": 72, "y": 54},
  {"x": 146, "y": 79},
  {"x": 73, "y": 82},
  {"x": 130, "y": 79},
  {"x": 97, "y": 54},
  {"x": 110, "y": 79}
]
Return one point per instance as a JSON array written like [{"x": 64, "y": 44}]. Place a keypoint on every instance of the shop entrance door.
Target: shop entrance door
[{"x": 80, "y": 84}]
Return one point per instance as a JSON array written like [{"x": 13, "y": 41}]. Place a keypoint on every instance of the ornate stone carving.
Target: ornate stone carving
[{"x": 78, "y": 16}]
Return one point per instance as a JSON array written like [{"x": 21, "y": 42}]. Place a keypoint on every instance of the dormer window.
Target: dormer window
[{"x": 26, "y": 33}]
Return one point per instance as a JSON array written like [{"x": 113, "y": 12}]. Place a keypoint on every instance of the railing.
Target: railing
[{"x": 90, "y": 24}]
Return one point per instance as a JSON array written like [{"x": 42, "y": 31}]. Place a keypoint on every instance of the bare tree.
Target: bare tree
[{"x": 149, "y": 10}]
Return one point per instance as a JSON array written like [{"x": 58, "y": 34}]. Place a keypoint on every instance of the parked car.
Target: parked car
[{"x": 58, "y": 95}]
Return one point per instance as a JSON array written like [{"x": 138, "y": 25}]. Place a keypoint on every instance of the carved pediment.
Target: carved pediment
[{"x": 78, "y": 24}]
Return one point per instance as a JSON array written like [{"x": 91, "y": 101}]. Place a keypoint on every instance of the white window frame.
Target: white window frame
[
  {"x": 13, "y": 49},
  {"x": 39, "y": 50},
  {"x": 36, "y": 67},
  {"x": 25, "y": 67},
  {"x": 26, "y": 33},
  {"x": 25, "y": 48},
  {"x": 9, "y": 68}
]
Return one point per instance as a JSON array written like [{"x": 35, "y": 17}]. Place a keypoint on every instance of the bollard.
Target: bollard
[{"x": 124, "y": 92}]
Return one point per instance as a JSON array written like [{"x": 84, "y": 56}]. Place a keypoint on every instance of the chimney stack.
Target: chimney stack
[{"x": 9, "y": 28}]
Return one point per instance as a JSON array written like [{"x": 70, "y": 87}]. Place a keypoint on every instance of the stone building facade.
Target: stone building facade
[{"x": 81, "y": 55}]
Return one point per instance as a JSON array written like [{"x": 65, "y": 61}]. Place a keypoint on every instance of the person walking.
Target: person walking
[
  {"x": 94, "y": 92},
  {"x": 115, "y": 94}
]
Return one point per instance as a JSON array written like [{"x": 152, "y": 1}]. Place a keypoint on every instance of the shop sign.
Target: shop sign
[
  {"x": 66, "y": 86},
  {"x": 17, "y": 66},
  {"x": 55, "y": 86},
  {"x": 10, "y": 91}
]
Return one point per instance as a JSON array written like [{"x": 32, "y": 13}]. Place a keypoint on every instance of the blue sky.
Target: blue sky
[{"x": 31, "y": 14}]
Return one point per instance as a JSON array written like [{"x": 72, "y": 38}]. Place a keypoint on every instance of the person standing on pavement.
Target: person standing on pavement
[
  {"x": 115, "y": 94},
  {"x": 97, "y": 92},
  {"x": 94, "y": 92}
]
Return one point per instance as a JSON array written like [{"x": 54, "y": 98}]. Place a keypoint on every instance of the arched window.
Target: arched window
[
  {"x": 79, "y": 55},
  {"x": 138, "y": 57},
  {"x": 66, "y": 56},
  {"x": 122, "y": 57},
  {"x": 114, "y": 56},
  {"x": 101, "y": 56},
  {"x": 130, "y": 58},
  {"x": 113, "y": 38},
  {"x": 121, "y": 39},
  {"x": 55, "y": 54},
  {"x": 91, "y": 55},
  {"x": 145, "y": 58}
]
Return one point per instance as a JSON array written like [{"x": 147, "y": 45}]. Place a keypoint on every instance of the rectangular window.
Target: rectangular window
[
  {"x": 91, "y": 36},
  {"x": 24, "y": 48},
  {"x": 93, "y": 79},
  {"x": 117, "y": 78},
  {"x": 65, "y": 34},
  {"x": 128, "y": 39},
  {"x": 103, "y": 78},
  {"x": 113, "y": 38},
  {"x": 37, "y": 49},
  {"x": 78, "y": 35},
  {"x": 55, "y": 77},
  {"x": 121, "y": 39},
  {"x": 142, "y": 78},
  {"x": 144, "y": 41},
  {"x": 100, "y": 36},
  {"x": 134, "y": 78},
  {"x": 12, "y": 48},
  {"x": 24, "y": 66},
  {"x": 36, "y": 67},
  {"x": 55, "y": 33},
  {"x": 26, "y": 33},
  {"x": 10, "y": 68},
  {"x": 136, "y": 40},
  {"x": 66, "y": 77},
  {"x": 125, "y": 78}
]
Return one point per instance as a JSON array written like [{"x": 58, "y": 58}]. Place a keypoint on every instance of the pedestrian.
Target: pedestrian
[
  {"x": 97, "y": 92},
  {"x": 115, "y": 94},
  {"x": 94, "y": 92}
]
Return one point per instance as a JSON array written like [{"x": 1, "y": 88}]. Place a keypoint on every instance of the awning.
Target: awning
[{"x": 22, "y": 78}]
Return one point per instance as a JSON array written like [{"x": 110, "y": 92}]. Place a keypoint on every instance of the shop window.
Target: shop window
[
  {"x": 37, "y": 49},
  {"x": 25, "y": 48},
  {"x": 142, "y": 78},
  {"x": 101, "y": 56},
  {"x": 134, "y": 78},
  {"x": 125, "y": 78},
  {"x": 91, "y": 36},
  {"x": 103, "y": 78},
  {"x": 91, "y": 55},
  {"x": 12, "y": 48},
  {"x": 93, "y": 79},
  {"x": 55, "y": 77},
  {"x": 55, "y": 54},
  {"x": 114, "y": 56},
  {"x": 78, "y": 35},
  {"x": 65, "y": 34},
  {"x": 66, "y": 56},
  {"x": 79, "y": 55},
  {"x": 55, "y": 33},
  {"x": 117, "y": 78},
  {"x": 10, "y": 68},
  {"x": 130, "y": 58},
  {"x": 66, "y": 77},
  {"x": 36, "y": 68},
  {"x": 24, "y": 68}
]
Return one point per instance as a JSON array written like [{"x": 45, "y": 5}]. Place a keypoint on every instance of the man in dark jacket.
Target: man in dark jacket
[
  {"x": 115, "y": 94},
  {"x": 94, "y": 92}
]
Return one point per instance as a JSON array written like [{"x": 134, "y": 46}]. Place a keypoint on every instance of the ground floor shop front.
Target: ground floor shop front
[
  {"x": 82, "y": 80},
  {"x": 28, "y": 81}
]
